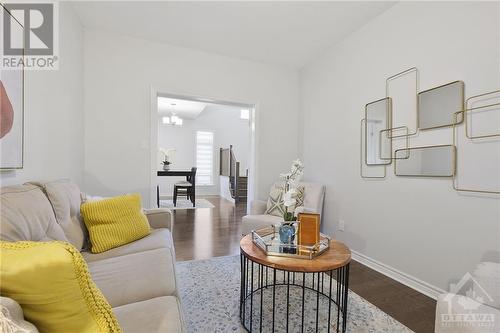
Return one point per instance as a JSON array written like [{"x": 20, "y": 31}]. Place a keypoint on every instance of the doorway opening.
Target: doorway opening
[{"x": 201, "y": 148}]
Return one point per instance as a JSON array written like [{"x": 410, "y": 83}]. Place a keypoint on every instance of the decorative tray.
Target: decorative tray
[{"x": 268, "y": 240}]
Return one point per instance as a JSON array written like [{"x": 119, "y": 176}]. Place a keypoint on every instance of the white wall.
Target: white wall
[
  {"x": 419, "y": 226},
  {"x": 119, "y": 75},
  {"x": 228, "y": 128},
  {"x": 53, "y": 112}
]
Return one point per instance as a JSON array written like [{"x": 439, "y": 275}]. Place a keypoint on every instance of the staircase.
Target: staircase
[
  {"x": 230, "y": 167},
  {"x": 241, "y": 188}
]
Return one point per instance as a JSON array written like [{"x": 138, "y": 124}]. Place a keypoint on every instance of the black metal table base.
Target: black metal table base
[{"x": 273, "y": 300}]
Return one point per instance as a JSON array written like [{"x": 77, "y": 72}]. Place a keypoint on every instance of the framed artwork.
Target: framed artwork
[
  {"x": 308, "y": 232},
  {"x": 11, "y": 106}
]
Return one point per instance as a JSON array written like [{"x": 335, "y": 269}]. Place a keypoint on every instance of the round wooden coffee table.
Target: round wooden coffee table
[{"x": 294, "y": 295}]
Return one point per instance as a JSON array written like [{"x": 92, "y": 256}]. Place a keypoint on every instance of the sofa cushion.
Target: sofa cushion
[
  {"x": 135, "y": 277},
  {"x": 158, "y": 238},
  {"x": 160, "y": 314},
  {"x": 255, "y": 222},
  {"x": 115, "y": 221},
  {"x": 12, "y": 319},
  {"x": 51, "y": 282},
  {"x": 65, "y": 197},
  {"x": 26, "y": 214}
]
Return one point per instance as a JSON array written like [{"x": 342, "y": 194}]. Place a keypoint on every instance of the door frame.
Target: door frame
[{"x": 253, "y": 174}]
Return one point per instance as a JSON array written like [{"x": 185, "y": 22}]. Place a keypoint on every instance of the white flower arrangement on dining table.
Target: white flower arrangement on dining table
[{"x": 167, "y": 155}]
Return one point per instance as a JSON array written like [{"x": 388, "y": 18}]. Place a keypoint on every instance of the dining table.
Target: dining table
[{"x": 170, "y": 173}]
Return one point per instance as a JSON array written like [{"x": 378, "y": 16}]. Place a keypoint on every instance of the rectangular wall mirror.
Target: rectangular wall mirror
[
  {"x": 377, "y": 118},
  {"x": 437, "y": 106},
  {"x": 431, "y": 161}
]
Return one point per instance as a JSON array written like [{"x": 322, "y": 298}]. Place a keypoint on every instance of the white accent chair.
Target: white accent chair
[
  {"x": 314, "y": 194},
  {"x": 478, "y": 312}
]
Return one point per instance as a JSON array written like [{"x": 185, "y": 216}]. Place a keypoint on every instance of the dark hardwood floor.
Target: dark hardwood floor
[{"x": 212, "y": 232}]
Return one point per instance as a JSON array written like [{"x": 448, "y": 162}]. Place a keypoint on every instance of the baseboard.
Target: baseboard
[{"x": 406, "y": 279}]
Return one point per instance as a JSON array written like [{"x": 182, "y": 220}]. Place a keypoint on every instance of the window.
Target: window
[{"x": 204, "y": 158}]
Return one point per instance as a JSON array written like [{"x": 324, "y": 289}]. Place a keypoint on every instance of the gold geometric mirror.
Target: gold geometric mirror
[
  {"x": 369, "y": 171},
  {"x": 437, "y": 106},
  {"x": 377, "y": 118},
  {"x": 429, "y": 161}
]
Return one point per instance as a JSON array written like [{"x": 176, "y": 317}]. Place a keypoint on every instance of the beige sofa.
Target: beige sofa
[
  {"x": 137, "y": 279},
  {"x": 314, "y": 195}
]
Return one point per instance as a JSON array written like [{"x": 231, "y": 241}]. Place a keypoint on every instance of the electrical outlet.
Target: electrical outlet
[{"x": 341, "y": 225}]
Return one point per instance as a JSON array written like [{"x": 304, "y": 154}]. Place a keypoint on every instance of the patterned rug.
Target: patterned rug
[{"x": 210, "y": 291}]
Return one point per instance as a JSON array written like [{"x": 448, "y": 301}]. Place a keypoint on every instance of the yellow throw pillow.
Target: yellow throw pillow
[
  {"x": 115, "y": 221},
  {"x": 52, "y": 283}
]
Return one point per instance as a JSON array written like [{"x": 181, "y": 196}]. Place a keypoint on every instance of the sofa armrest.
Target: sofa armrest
[
  {"x": 14, "y": 314},
  {"x": 160, "y": 218},
  {"x": 258, "y": 207}
]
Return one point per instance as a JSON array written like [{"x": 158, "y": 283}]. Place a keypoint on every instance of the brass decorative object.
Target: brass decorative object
[
  {"x": 417, "y": 84},
  {"x": 406, "y": 137},
  {"x": 362, "y": 159},
  {"x": 456, "y": 187},
  {"x": 426, "y": 161},
  {"x": 482, "y": 107},
  {"x": 436, "y": 106},
  {"x": 378, "y": 115},
  {"x": 267, "y": 239}
]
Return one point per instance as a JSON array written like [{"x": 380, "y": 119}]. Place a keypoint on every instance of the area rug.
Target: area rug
[
  {"x": 210, "y": 291},
  {"x": 186, "y": 204}
]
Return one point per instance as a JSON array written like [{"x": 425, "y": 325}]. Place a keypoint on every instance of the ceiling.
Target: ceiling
[
  {"x": 289, "y": 33},
  {"x": 189, "y": 109},
  {"x": 180, "y": 107}
]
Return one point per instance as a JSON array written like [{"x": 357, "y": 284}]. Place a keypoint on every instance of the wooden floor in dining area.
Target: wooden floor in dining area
[{"x": 212, "y": 232}]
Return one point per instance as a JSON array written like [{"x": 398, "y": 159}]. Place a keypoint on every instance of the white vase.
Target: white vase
[{"x": 166, "y": 167}]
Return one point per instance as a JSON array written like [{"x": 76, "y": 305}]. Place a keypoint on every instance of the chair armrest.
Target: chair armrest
[
  {"x": 450, "y": 304},
  {"x": 14, "y": 312},
  {"x": 160, "y": 218},
  {"x": 258, "y": 207}
]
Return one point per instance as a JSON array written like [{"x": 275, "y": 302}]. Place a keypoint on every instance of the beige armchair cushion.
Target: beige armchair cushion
[
  {"x": 65, "y": 197},
  {"x": 256, "y": 222},
  {"x": 487, "y": 275},
  {"x": 26, "y": 214},
  {"x": 314, "y": 194},
  {"x": 450, "y": 305}
]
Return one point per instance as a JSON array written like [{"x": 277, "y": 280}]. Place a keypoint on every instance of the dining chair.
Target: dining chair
[{"x": 186, "y": 188}]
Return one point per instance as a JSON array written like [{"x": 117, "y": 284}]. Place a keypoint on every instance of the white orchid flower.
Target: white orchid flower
[
  {"x": 167, "y": 152},
  {"x": 291, "y": 180},
  {"x": 298, "y": 210},
  {"x": 285, "y": 175},
  {"x": 290, "y": 202}
]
